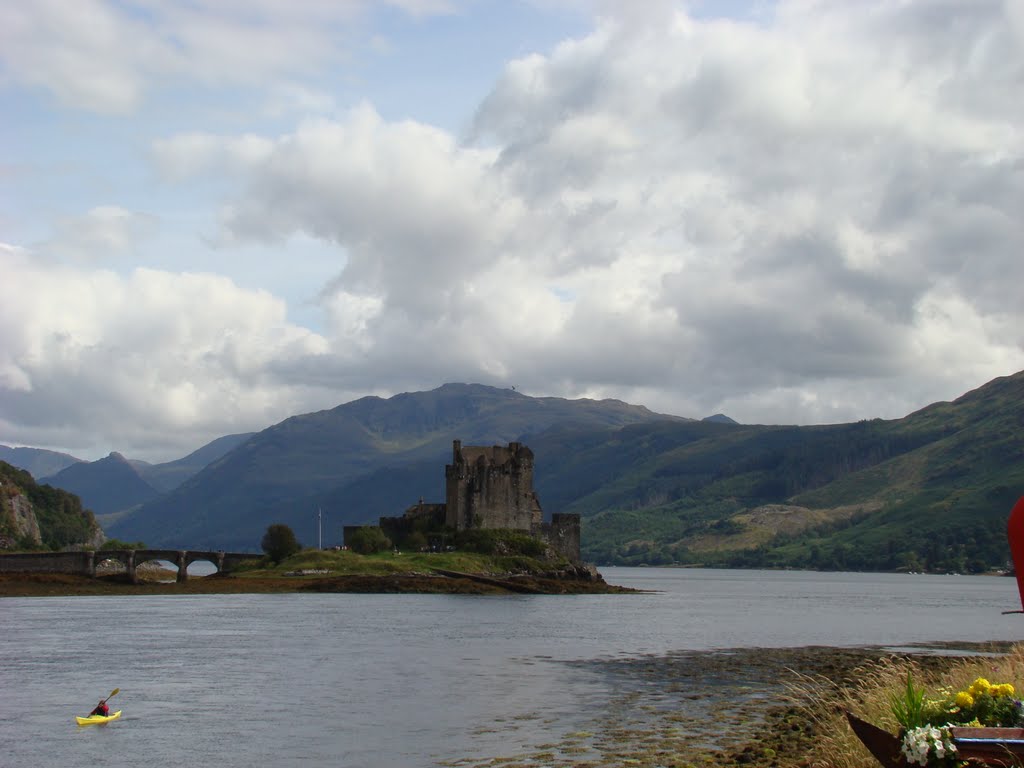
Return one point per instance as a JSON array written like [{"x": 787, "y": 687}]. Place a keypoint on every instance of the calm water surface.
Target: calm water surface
[{"x": 414, "y": 680}]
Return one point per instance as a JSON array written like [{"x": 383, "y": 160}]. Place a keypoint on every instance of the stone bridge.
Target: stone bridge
[{"x": 85, "y": 562}]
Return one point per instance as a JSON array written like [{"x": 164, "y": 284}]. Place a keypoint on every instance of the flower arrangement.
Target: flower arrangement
[{"x": 929, "y": 746}]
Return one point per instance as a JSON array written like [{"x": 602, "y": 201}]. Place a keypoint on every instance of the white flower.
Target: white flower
[{"x": 922, "y": 744}]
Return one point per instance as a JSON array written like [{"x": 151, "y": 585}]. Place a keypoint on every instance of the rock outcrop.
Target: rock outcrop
[
  {"x": 17, "y": 517},
  {"x": 33, "y": 515}
]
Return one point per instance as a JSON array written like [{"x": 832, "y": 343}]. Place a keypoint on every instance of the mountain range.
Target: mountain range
[
  {"x": 929, "y": 491},
  {"x": 356, "y": 462}
]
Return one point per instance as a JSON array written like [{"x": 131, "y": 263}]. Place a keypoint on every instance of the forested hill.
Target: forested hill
[{"x": 931, "y": 491}]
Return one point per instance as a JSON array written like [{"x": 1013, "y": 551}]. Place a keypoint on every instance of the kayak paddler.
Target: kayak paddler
[{"x": 101, "y": 709}]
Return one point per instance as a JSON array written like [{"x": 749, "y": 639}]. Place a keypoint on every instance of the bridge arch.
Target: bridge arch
[
  {"x": 172, "y": 556},
  {"x": 124, "y": 557}
]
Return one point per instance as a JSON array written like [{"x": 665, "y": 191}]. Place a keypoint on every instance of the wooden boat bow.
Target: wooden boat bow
[{"x": 883, "y": 745}]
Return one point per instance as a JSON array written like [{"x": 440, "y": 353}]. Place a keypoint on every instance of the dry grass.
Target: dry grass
[{"x": 824, "y": 701}]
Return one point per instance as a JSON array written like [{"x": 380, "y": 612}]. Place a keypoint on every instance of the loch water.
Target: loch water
[{"x": 414, "y": 681}]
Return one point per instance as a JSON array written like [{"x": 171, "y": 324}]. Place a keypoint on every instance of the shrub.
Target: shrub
[
  {"x": 415, "y": 541},
  {"x": 279, "y": 542},
  {"x": 499, "y": 542},
  {"x": 368, "y": 540}
]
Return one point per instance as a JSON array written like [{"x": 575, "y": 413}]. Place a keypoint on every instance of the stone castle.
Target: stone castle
[{"x": 489, "y": 487}]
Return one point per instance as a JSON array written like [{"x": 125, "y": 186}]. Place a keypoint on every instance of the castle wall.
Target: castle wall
[
  {"x": 424, "y": 517},
  {"x": 562, "y": 534}
]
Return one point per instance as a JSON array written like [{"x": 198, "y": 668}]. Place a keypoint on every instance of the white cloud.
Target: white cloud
[
  {"x": 86, "y": 52},
  {"x": 757, "y": 203},
  {"x": 89, "y": 352}
]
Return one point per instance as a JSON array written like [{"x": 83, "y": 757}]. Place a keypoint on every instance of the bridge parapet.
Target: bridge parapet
[{"x": 49, "y": 562}]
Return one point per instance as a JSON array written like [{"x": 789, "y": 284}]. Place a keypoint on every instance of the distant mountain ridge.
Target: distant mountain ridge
[
  {"x": 114, "y": 484},
  {"x": 39, "y": 462},
  {"x": 169, "y": 475},
  {"x": 720, "y": 418},
  {"x": 110, "y": 484},
  {"x": 395, "y": 447}
]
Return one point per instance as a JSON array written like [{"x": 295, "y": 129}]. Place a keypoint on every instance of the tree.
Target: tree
[{"x": 279, "y": 542}]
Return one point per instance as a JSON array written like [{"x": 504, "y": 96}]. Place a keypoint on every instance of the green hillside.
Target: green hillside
[{"x": 929, "y": 491}]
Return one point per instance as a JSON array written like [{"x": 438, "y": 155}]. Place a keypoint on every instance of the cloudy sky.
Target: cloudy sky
[{"x": 215, "y": 214}]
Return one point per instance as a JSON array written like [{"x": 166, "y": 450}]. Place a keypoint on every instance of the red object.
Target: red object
[{"x": 1015, "y": 532}]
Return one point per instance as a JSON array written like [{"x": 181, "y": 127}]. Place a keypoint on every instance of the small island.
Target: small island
[
  {"x": 312, "y": 570},
  {"x": 488, "y": 537}
]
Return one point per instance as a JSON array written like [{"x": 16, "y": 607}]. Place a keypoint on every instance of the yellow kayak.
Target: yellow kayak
[{"x": 97, "y": 719}]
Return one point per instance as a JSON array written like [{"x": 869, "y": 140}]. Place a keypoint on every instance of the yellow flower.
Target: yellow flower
[
  {"x": 964, "y": 700},
  {"x": 1003, "y": 689},
  {"x": 979, "y": 686}
]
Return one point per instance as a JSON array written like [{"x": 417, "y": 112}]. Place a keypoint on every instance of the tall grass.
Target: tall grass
[{"x": 876, "y": 685}]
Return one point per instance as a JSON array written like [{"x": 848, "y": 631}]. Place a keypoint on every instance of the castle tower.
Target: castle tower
[{"x": 491, "y": 487}]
